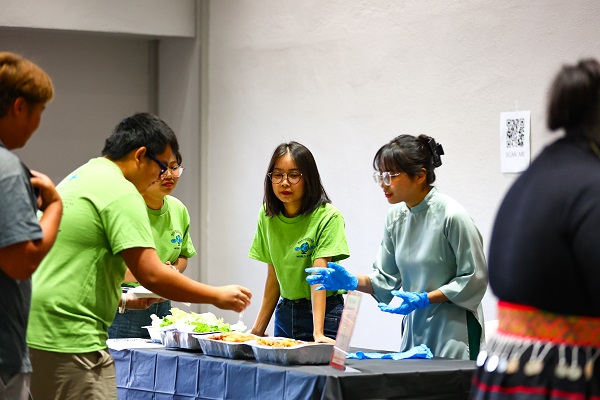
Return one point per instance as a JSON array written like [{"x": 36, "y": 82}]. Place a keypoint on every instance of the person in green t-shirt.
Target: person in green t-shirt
[
  {"x": 297, "y": 228},
  {"x": 170, "y": 223},
  {"x": 77, "y": 287}
]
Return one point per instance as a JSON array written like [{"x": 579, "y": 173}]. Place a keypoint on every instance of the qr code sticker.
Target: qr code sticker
[{"x": 515, "y": 132}]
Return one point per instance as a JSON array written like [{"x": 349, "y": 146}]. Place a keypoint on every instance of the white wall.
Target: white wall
[
  {"x": 137, "y": 17},
  {"x": 98, "y": 80},
  {"x": 345, "y": 77},
  {"x": 341, "y": 77}
]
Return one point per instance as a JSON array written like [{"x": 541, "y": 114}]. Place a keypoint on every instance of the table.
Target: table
[{"x": 167, "y": 374}]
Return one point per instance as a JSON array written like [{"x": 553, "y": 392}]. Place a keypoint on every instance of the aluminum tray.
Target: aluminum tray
[
  {"x": 310, "y": 353},
  {"x": 220, "y": 348},
  {"x": 181, "y": 340},
  {"x": 157, "y": 335}
]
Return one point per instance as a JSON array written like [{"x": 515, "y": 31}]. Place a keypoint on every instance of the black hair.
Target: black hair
[
  {"x": 140, "y": 130},
  {"x": 574, "y": 100},
  {"x": 410, "y": 154},
  {"x": 178, "y": 157},
  {"x": 314, "y": 192}
]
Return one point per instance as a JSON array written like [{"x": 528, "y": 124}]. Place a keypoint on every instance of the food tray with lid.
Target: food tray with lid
[
  {"x": 303, "y": 353},
  {"x": 212, "y": 346}
]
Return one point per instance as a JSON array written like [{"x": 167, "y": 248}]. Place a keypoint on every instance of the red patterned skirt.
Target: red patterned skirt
[{"x": 539, "y": 355}]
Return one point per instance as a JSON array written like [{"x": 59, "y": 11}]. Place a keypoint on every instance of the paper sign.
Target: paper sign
[
  {"x": 344, "y": 334},
  {"x": 515, "y": 152}
]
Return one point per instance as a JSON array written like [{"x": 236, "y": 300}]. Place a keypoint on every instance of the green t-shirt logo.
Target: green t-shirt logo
[{"x": 305, "y": 247}]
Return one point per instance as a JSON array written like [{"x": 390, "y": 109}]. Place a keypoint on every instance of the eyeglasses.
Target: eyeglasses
[
  {"x": 175, "y": 171},
  {"x": 384, "y": 177},
  {"x": 292, "y": 177},
  {"x": 163, "y": 167}
]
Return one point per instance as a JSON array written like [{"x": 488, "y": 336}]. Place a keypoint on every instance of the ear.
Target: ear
[
  {"x": 422, "y": 176},
  {"x": 19, "y": 106},
  {"x": 140, "y": 154}
]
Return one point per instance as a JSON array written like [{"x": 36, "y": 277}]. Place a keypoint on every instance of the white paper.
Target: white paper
[
  {"x": 132, "y": 343},
  {"x": 515, "y": 151},
  {"x": 142, "y": 292}
]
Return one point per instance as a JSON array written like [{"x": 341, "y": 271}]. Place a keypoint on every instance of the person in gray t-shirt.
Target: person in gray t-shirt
[{"x": 24, "y": 241}]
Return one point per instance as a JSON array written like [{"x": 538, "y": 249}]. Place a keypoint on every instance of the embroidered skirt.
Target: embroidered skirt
[{"x": 539, "y": 355}]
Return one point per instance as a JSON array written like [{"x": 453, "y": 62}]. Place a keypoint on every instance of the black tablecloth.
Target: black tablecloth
[{"x": 163, "y": 374}]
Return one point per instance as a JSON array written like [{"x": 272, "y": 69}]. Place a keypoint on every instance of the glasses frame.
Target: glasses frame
[
  {"x": 170, "y": 170},
  {"x": 163, "y": 167},
  {"x": 287, "y": 177},
  {"x": 385, "y": 177}
]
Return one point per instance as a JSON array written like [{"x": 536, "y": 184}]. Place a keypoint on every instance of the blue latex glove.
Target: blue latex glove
[
  {"x": 411, "y": 301},
  {"x": 421, "y": 351},
  {"x": 335, "y": 277}
]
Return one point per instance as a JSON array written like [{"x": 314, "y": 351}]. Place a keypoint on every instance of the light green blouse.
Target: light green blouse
[{"x": 434, "y": 245}]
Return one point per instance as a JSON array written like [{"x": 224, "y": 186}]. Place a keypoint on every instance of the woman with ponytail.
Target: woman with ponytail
[{"x": 431, "y": 255}]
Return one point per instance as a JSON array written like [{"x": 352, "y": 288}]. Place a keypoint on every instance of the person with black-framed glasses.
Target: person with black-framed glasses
[
  {"x": 105, "y": 230},
  {"x": 170, "y": 223}
]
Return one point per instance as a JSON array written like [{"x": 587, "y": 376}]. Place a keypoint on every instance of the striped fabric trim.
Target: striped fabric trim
[{"x": 529, "y": 322}]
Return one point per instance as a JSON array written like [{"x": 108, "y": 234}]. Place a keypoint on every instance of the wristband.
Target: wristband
[{"x": 123, "y": 305}]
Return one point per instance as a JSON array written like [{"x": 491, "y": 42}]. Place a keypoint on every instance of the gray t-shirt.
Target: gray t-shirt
[{"x": 18, "y": 223}]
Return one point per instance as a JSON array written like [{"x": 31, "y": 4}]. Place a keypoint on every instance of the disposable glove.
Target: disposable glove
[
  {"x": 411, "y": 301},
  {"x": 335, "y": 277},
  {"x": 421, "y": 351}
]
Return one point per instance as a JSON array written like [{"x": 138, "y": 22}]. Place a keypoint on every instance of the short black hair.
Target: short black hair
[
  {"x": 408, "y": 154},
  {"x": 314, "y": 192},
  {"x": 140, "y": 130},
  {"x": 574, "y": 99}
]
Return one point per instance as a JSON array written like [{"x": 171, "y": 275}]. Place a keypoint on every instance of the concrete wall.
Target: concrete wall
[
  {"x": 343, "y": 78},
  {"x": 340, "y": 77}
]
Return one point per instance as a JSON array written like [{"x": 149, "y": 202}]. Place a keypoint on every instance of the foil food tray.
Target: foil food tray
[
  {"x": 220, "y": 348},
  {"x": 181, "y": 340},
  {"x": 309, "y": 353},
  {"x": 157, "y": 335}
]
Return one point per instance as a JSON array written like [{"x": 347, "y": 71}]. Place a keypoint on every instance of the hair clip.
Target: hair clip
[{"x": 436, "y": 151}]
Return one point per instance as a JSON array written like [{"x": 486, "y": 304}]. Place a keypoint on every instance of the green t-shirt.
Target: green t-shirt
[
  {"x": 76, "y": 289},
  {"x": 292, "y": 244},
  {"x": 171, "y": 231}
]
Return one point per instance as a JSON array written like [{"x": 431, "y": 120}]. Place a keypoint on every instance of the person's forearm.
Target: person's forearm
[
  {"x": 264, "y": 315},
  {"x": 170, "y": 284},
  {"x": 436, "y": 296},
  {"x": 129, "y": 276},
  {"x": 151, "y": 273},
  {"x": 181, "y": 264},
  {"x": 50, "y": 223},
  {"x": 269, "y": 302},
  {"x": 364, "y": 284},
  {"x": 19, "y": 261},
  {"x": 318, "y": 301}
]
